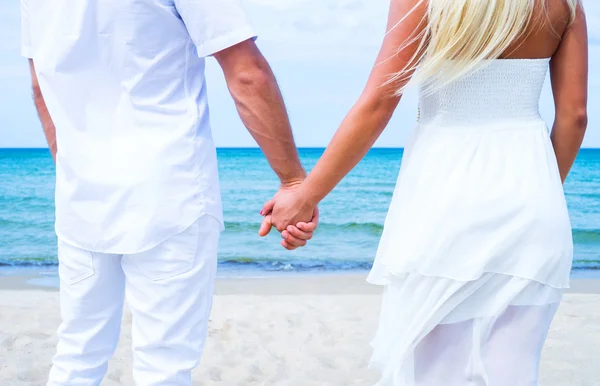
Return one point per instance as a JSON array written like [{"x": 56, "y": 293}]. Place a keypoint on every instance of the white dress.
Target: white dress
[{"x": 477, "y": 248}]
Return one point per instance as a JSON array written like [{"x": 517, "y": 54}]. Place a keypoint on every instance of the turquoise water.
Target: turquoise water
[{"x": 352, "y": 216}]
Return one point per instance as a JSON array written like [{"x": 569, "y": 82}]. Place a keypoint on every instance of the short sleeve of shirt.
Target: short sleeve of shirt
[
  {"x": 215, "y": 25},
  {"x": 26, "y": 49}
]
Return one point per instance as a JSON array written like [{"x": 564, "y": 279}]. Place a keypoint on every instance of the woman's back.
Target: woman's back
[
  {"x": 502, "y": 92},
  {"x": 543, "y": 36},
  {"x": 507, "y": 88}
]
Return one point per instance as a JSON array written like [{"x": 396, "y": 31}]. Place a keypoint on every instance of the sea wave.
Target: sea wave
[
  {"x": 586, "y": 236},
  {"x": 369, "y": 227},
  {"x": 30, "y": 262},
  {"x": 580, "y": 236},
  {"x": 239, "y": 263},
  {"x": 285, "y": 265},
  {"x": 274, "y": 265}
]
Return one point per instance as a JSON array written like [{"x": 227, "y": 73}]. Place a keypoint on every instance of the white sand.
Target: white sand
[{"x": 297, "y": 331}]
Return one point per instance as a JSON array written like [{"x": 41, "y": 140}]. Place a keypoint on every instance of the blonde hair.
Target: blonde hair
[{"x": 459, "y": 35}]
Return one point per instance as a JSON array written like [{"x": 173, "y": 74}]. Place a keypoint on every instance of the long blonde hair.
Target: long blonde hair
[{"x": 459, "y": 35}]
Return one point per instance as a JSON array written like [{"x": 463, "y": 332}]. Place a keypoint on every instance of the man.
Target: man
[{"x": 120, "y": 90}]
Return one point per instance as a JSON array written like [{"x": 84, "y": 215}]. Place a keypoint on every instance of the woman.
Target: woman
[{"x": 477, "y": 248}]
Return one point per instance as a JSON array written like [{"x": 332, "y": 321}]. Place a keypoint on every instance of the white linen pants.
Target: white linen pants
[{"x": 169, "y": 291}]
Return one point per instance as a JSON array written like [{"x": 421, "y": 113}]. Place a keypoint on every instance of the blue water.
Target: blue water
[{"x": 352, "y": 216}]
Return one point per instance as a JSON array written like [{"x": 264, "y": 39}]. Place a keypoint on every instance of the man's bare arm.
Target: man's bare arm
[
  {"x": 260, "y": 106},
  {"x": 47, "y": 124}
]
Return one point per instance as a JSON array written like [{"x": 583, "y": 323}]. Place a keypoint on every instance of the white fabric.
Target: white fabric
[
  {"x": 482, "y": 351},
  {"x": 477, "y": 248},
  {"x": 169, "y": 292},
  {"x": 436, "y": 331},
  {"x": 479, "y": 189},
  {"x": 124, "y": 84}
]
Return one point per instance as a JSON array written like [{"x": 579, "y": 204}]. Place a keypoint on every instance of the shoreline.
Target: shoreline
[{"x": 333, "y": 283}]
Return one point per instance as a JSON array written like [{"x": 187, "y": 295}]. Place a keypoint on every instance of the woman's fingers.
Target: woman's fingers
[
  {"x": 306, "y": 227},
  {"x": 299, "y": 234},
  {"x": 312, "y": 225},
  {"x": 293, "y": 236},
  {"x": 287, "y": 246},
  {"x": 291, "y": 240}
]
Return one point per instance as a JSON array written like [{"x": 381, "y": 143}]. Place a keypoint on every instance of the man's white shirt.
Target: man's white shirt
[{"x": 124, "y": 83}]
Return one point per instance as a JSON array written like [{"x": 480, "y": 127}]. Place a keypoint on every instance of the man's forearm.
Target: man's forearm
[
  {"x": 261, "y": 108},
  {"x": 46, "y": 120}
]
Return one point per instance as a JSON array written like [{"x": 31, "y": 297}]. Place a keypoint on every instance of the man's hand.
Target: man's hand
[
  {"x": 45, "y": 119},
  {"x": 295, "y": 233},
  {"x": 260, "y": 105}
]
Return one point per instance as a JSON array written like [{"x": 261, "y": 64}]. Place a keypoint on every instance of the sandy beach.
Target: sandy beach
[{"x": 296, "y": 331}]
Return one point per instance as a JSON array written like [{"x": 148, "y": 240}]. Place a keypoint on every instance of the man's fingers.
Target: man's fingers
[
  {"x": 265, "y": 226},
  {"x": 297, "y": 233},
  {"x": 291, "y": 240}
]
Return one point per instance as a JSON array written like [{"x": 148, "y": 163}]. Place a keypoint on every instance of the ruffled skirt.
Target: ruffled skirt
[
  {"x": 487, "y": 332},
  {"x": 475, "y": 256}
]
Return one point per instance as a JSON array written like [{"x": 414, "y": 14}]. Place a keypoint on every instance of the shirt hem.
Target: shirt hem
[
  {"x": 27, "y": 52},
  {"x": 145, "y": 248}
]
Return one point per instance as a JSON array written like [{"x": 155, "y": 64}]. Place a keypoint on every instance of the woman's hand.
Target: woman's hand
[
  {"x": 292, "y": 216},
  {"x": 298, "y": 236},
  {"x": 288, "y": 208}
]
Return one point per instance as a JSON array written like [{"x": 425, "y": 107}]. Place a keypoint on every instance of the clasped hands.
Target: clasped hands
[{"x": 291, "y": 215}]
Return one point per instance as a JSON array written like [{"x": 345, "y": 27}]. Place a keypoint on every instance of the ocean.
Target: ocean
[{"x": 351, "y": 217}]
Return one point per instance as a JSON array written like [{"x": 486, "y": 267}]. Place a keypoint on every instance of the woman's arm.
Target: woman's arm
[
  {"x": 372, "y": 112},
  {"x": 367, "y": 119},
  {"x": 569, "y": 75}
]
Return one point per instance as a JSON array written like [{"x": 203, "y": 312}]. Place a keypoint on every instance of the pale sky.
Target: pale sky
[{"x": 321, "y": 51}]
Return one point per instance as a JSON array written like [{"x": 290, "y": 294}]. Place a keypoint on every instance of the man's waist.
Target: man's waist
[{"x": 124, "y": 224}]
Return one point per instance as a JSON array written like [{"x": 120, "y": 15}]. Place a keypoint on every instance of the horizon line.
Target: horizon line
[
  {"x": 258, "y": 148},
  {"x": 218, "y": 147}
]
